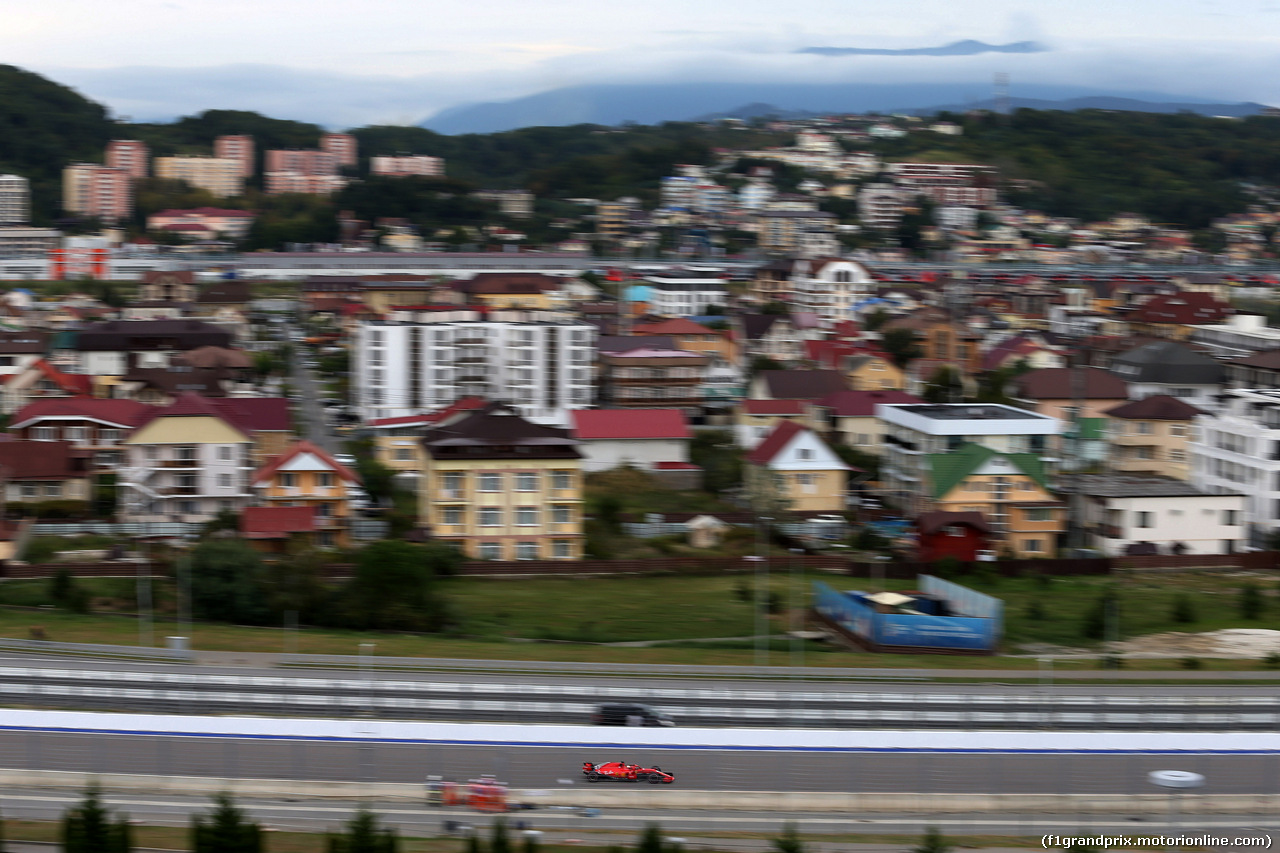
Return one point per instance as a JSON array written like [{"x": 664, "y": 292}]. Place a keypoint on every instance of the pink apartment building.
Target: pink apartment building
[
  {"x": 91, "y": 189},
  {"x": 341, "y": 146},
  {"x": 131, "y": 155},
  {"x": 239, "y": 148},
  {"x": 405, "y": 166}
]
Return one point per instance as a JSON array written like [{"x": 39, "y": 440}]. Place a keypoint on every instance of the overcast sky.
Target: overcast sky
[{"x": 399, "y": 61}]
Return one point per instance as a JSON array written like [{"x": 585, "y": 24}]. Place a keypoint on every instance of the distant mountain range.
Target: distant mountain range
[
  {"x": 967, "y": 47},
  {"x": 612, "y": 105}
]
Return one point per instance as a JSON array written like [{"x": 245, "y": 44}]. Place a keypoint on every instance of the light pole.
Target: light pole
[
  {"x": 756, "y": 560},
  {"x": 762, "y": 596},
  {"x": 143, "y": 585},
  {"x": 366, "y": 650},
  {"x": 1175, "y": 782},
  {"x": 1046, "y": 684}
]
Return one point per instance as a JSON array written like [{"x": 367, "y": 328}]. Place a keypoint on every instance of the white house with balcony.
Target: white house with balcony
[{"x": 1237, "y": 450}]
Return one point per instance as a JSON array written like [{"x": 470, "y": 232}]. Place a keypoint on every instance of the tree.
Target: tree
[
  {"x": 1251, "y": 605},
  {"x": 901, "y": 345},
  {"x": 719, "y": 457},
  {"x": 89, "y": 828},
  {"x": 651, "y": 840},
  {"x": 775, "y": 308},
  {"x": 67, "y": 593},
  {"x": 944, "y": 386},
  {"x": 363, "y": 835},
  {"x": 790, "y": 840},
  {"x": 499, "y": 840},
  {"x": 377, "y": 479},
  {"x": 761, "y": 363},
  {"x": 226, "y": 830},
  {"x": 227, "y": 578},
  {"x": 396, "y": 588},
  {"x": 932, "y": 842},
  {"x": 874, "y": 320},
  {"x": 1183, "y": 611}
]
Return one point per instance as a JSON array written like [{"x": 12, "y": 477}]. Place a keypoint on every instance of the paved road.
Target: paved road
[
  {"x": 307, "y": 393},
  {"x": 539, "y": 767}
]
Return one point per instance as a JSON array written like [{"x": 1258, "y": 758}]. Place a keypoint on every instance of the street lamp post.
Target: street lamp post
[
  {"x": 366, "y": 650},
  {"x": 1175, "y": 782},
  {"x": 143, "y": 584},
  {"x": 1046, "y": 685},
  {"x": 757, "y": 561}
]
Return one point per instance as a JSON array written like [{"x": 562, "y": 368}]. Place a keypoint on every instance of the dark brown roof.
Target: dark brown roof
[
  {"x": 1160, "y": 407},
  {"x": 23, "y": 343},
  {"x": 1185, "y": 308},
  {"x": 225, "y": 293},
  {"x": 151, "y": 335},
  {"x": 626, "y": 343},
  {"x": 802, "y": 384},
  {"x": 1063, "y": 383},
  {"x": 1267, "y": 359},
  {"x": 496, "y": 431},
  {"x": 42, "y": 460},
  {"x": 507, "y": 283}
]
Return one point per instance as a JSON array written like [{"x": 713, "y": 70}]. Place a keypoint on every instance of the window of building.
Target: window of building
[
  {"x": 561, "y": 514},
  {"x": 324, "y": 539},
  {"x": 452, "y": 483},
  {"x": 526, "y": 482},
  {"x": 489, "y": 550},
  {"x": 44, "y": 434},
  {"x": 288, "y": 479},
  {"x": 1177, "y": 456},
  {"x": 78, "y": 434},
  {"x": 324, "y": 510},
  {"x": 561, "y": 480},
  {"x": 1144, "y": 427},
  {"x": 562, "y": 549},
  {"x": 1033, "y": 546},
  {"x": 526, "y": 550},
  {"x": 188, "y": 507},
  {"x": 804, "y": 453},
  {"x": 490, "y": 516},
  {"x": 490, "y": 483},
  {"x": 526, "y": 516},
  {"x": 29, "y": 490},
  {"x": 452, "y": 515},
  {"x": 224, "y": 480},
  {"x": 224, "y": 452},
  {"x": 1039, "y": 514},
  {"x": 404, "y": 454},
  {"x": 109, "y": 436},
  {"x": 1230, "y": 517},
  {"x": 1144, "y": 519},
  {"x": 324, "y": 479},
  {"x": 1177, "y": 429}
]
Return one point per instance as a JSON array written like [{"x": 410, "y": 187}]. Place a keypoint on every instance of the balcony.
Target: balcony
[
  {"x": 180, "y": 463},
  {"x": 450, "y": 495},
  {"x": 172, "y": 491}
]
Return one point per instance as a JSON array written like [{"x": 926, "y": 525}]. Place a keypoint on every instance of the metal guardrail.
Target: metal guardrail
[
  {"x": 96, "y": 650},
  {"x": 586, "y": 668}
]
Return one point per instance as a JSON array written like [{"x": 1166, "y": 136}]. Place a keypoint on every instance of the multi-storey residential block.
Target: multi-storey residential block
[
  {"x": 1241, "y": 336},
  {"x": 503, "y": 488},
  {"x": 303, "y": 161},
  {"x": 189, "y": 460},
  {"x": 880, "y": 205},
  {"x": 793, "y": 470},
  {"x": 831, "y": 288},
  {"x": 1238, "y": 450},
  {"x": 220, "y": 176},
  {"x": 129, "y": 155},
  {"x": 116, "y": 347},
  {"x": 1151, "y": 436},
  {"x": 406, "y": 165},
  {"x": 1122, "y": 513},
  {"x": 649, "y": 378},
  {"x": 307, "y": 476},
  {"x": 792, "y": 230},
  {"x": 422, "y": 359},
  {"x": 238, "y": 148},
  {"x": 15, "y": 200},
  {"x": 932, "y": 450},
  {"x": 342, "y": 146},
  {"x": 684, "y": 296},
  {"x": 90, "y": 189},
  {"x": 397, "y": 442},
  {"x": 517, "y": 204},
  {"x": 91, "y": 424}
]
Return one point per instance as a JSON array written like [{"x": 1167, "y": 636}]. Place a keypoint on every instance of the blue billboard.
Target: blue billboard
[{"x": 978, "y": 626}]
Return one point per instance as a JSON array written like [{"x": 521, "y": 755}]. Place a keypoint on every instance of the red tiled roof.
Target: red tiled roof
[
  {"x": 773, "y": 407},
  {"x": 1160, "y": 407},
  {"x": 802, "y": 384},
  {"x": 675, "y": 466},
  {"x": 266, "y": 472},
  {"x": 595, "y": 424},
  {"x": 1064, "y": 383},
  {"x": 677, "y": 326},
  {"x": 41, "y": 460},
  {"x": 774, "y": 442},
  {"x": 862, "y": 404},
  {"x": 276, "y": 522},
  {"x": 118, "y": 413},
  {"x": 74, "y": 383},
  {"x": 462, "y": 404},
  {"x": 1190, "y": 307},
  {"x": 247, "y": 414}
]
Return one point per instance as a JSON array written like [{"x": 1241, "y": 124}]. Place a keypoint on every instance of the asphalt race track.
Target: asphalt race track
[{"x": 545, "y": 767}]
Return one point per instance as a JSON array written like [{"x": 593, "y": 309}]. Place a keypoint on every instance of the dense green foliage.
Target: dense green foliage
[
  {"x": 89, "y": 828},
  {"x": 363, "y": 835},
  {"x": 43, "y": 127},
  {"x": 1091, "y": 164},
  {"x": 225, "y": 830},
  {"x": 227, "y": 577},
  {"x": 396, "y": 587}
]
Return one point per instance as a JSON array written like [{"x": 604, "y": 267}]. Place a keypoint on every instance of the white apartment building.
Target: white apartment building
[
  {"x": 914, "y": 431},
  {"x": 684, "y": 297},
  {"x": 421, "y": 360},
  {"x": 880, "y": 205},
  {"x": 1241, "y": 336},
  {"x": 1120, "y": 510},
  {"x": 406, "y": 165},
  {"x": 1238, "y": 450},
  {"x": 15, "y": 200}
]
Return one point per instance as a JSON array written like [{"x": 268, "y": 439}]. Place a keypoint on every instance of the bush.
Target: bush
[
  {"x": 67, "y": 593},
  {"x": 1271, "y": 661},
  {"x": 1035, "y": 611},
  {"x": 1251, "y": 605},
  {"x": 1190, "y": 663},
  {"x": 1183, "y": 611},
  {"x": 1111, "y": 662}
]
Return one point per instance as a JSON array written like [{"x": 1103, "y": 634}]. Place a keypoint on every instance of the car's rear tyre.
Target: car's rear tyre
[{"x": 593, "y": 777}]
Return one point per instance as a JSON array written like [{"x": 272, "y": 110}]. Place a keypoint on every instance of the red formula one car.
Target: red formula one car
[{"x": 621, "y": 771}]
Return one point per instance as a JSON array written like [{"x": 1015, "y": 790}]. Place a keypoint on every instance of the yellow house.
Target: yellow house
[
  {"x": 796, "y": 471},
  {"x": 306, "y": 476},
  {"x": 1010, "y": 491},
  {"x": 874, "y": 373},
  {"x": 397, "y": 442},
  {"x": 755, "y": 419},
  {"x": 1152, "y": 436},
  {"x": 502, "y": 488},
  {"x": 512, "y": 290}
]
